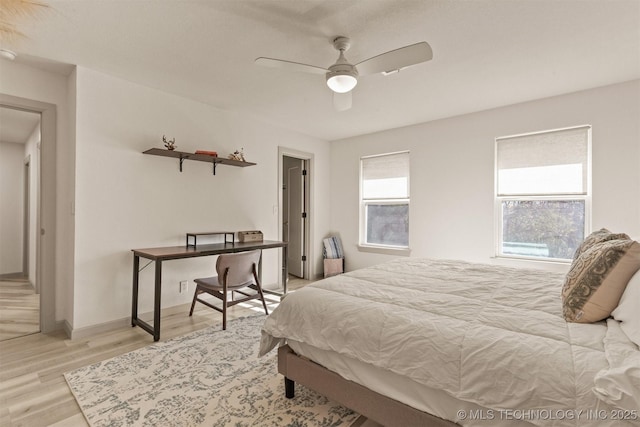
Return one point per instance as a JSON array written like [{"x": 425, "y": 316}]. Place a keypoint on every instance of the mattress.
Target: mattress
[{"x": 482, "y": 337}]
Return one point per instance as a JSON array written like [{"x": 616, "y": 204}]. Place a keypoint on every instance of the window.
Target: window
[
  {"x": 384, "y": 200},
  {"x": 543, "y": 183}
]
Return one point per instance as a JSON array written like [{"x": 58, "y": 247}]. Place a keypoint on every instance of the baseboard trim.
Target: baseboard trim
[
  {"x": 124, "y": 322},
  {"x": 66, "y": 327},
  {"x": 88, "y": 331},
  {"x": 12, "y": 276}
]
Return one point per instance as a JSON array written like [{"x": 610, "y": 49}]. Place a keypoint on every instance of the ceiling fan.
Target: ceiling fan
[{"x": 342, "y": 76}]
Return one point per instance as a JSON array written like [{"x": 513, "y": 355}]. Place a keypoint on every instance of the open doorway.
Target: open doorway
[
  {"x": 20, "y": 139},
  {"x": 43, "y": 196},
  {"x": 295, "y": 208}
]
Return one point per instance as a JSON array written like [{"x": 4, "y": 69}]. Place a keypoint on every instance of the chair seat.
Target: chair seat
[{"x": 213, "y": 283}]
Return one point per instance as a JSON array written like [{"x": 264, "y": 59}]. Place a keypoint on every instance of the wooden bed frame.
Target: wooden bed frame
[{"x": 374, "y": 406}]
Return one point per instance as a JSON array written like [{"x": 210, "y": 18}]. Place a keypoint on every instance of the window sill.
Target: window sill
[
  {"x": 534, "y": 259},
  {"x": 538, "y": 264},
  {"x": 384, "y": 250}
]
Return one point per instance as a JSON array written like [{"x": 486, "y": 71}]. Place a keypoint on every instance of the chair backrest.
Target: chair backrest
[{"x": 240, "y": 267}]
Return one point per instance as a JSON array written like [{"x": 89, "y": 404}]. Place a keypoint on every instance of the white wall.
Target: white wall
[
  {"x": 452, "y": 172},
  {"x": 11, "y": 206},
  {"x": 127, "y": 200}
]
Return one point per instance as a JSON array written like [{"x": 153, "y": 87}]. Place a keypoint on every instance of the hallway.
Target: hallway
[{"x": 19, "y": 307}]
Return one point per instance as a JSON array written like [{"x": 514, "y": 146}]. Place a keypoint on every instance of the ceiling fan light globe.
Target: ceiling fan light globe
[{"x": 341, "y": 83}]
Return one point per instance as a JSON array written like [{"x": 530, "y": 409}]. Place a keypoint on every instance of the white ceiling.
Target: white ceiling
[{"x": 487, "y": 53}]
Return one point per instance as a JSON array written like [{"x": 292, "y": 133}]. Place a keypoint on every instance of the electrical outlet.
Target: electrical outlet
[{"x": 184, "y": 286}]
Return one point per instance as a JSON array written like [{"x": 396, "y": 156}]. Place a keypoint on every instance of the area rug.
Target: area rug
[{"x": 209, "y": 378}]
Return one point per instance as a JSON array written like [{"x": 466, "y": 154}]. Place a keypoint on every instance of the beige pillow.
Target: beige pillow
[
  {"x": 597, "y": 278},
  {"x": 601, "y": 235}
]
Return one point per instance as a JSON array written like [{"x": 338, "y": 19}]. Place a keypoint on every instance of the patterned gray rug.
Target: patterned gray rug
[{"x": 210, "y": 377}]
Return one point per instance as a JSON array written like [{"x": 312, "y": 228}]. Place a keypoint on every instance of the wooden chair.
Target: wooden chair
[{"x": 235, "y": 272}]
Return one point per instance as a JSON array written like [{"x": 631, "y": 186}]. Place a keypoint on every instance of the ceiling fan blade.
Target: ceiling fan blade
[
  {"x": 396, "y": 59},
  {"x": 289, "y": 65},
  {"x": 342, "y": 101}
]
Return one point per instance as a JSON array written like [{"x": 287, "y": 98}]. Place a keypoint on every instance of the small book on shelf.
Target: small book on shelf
[{"x": 208, "y": 153}]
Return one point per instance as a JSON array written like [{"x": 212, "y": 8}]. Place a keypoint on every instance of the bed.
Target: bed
[{"x": 420, "y": 342}]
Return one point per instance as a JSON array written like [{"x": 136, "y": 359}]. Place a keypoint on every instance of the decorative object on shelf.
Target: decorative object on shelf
[
  {"x": 207, "y": 153},
  {"x": 238, "y": 155},
  {"x": 250, "y": 236},
  {"x": 171, "y": 145}
]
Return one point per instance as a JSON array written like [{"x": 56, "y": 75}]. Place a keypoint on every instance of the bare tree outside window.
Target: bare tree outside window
[
  {"x": 542, "y": 228},
  {"x": 388, "y": 224}
]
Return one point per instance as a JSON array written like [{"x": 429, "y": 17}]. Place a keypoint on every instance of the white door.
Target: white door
[{"x": 294, "y": 227}]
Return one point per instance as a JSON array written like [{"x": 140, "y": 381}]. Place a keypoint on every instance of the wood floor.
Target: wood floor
[
  {"x": 33, "y": 391},
  {"x": 19, "y": 307}
]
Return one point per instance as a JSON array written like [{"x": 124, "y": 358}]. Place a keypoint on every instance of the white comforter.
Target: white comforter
[{"x": 490, "y": 335}]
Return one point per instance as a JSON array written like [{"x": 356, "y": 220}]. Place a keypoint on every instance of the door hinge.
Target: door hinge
[
  {"x": 304, "y": 257},
  {"x": 304, "y": 172},
  {"x": 304, "y": 214}
]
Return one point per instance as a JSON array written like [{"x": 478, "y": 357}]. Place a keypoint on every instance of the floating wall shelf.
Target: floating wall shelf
[{"x": 182, "y": 156}]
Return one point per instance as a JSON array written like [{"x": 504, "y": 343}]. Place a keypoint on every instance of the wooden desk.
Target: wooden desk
[{"x": 179, "y": 252}]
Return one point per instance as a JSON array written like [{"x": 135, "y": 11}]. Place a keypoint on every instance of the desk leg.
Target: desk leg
[
  {"x": 156, "y": 301},
  {"x": 135, "y": 321},
  {"x": 134, "y": 300}
]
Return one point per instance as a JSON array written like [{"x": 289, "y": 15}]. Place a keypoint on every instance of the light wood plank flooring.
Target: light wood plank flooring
[
  {"x": 33, "y": 391},
  {"x": 19, "y": 307}
]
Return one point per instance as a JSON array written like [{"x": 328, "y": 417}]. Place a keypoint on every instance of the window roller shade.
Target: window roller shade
[
  {"x": 550, "y": 163},
  {"x": 386, "y": 176}
]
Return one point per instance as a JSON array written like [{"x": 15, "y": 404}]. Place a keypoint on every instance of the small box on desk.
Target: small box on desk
[{"x": 250, "y": 236}]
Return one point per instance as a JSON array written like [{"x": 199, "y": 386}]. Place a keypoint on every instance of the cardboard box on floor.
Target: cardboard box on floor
[{"x": 333, "y": 266}]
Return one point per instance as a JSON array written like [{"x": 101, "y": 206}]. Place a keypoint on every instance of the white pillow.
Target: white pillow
[
  {"x": 619, "y": 383},
  {"x": 628, "y": 310}
]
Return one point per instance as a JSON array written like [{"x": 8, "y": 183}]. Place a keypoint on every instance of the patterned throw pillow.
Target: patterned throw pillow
[
  {"x": 597, "y": 278},
  {"x": 601, "y": 235}
]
